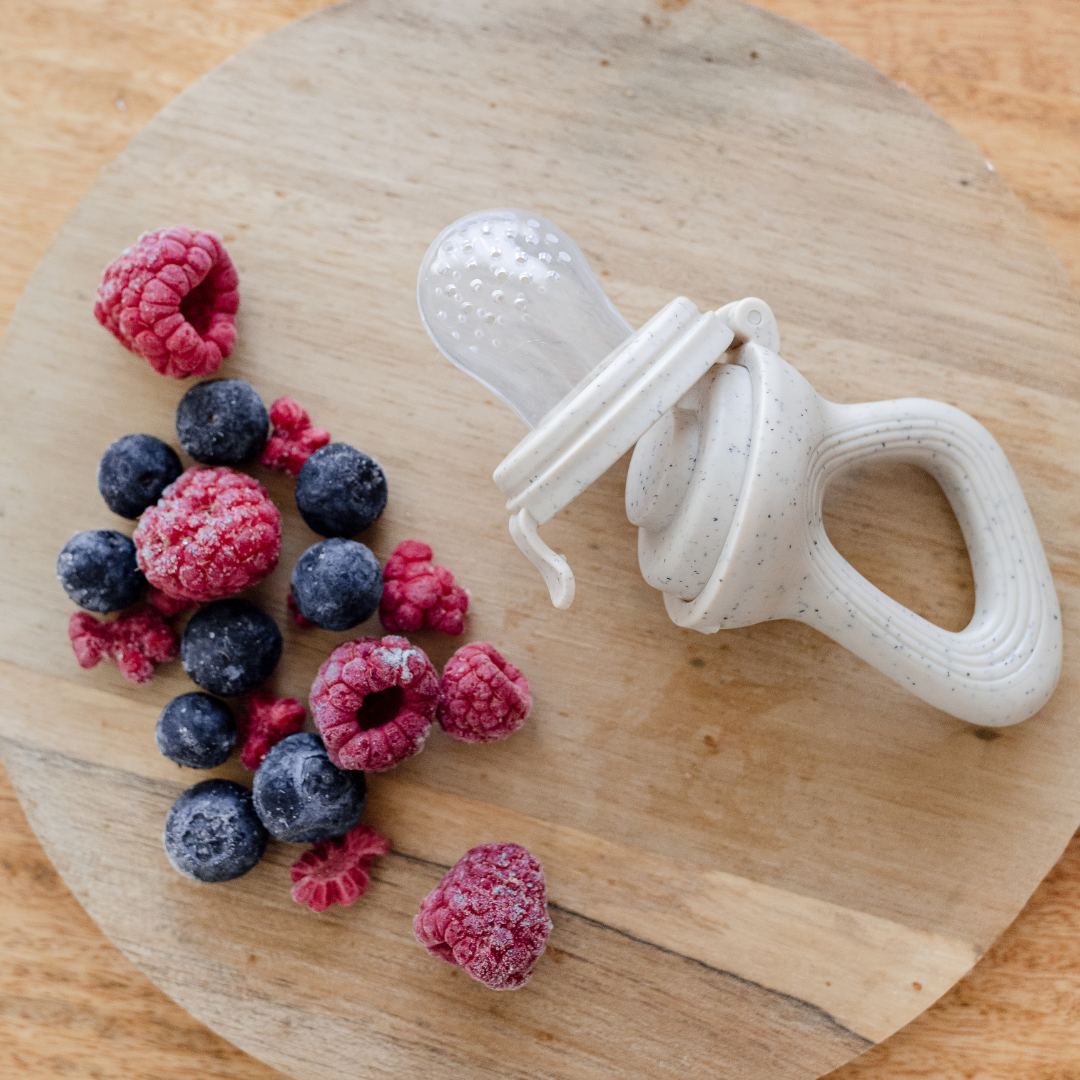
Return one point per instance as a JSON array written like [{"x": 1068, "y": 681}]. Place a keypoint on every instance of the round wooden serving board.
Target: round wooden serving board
[{"x": 762, "y": 855}]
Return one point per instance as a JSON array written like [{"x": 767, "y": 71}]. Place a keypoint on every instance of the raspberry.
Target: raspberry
[
  {"x": 374, "y": 701},
  {"x": 488, "y": 915},
  {"x": 135, "y": 642},
  {"x": 168, "y": 605},
  {"x": 417, "y": 593},
  {"x": 265, "y": 722},
  {"x": 296, "y": 615},
  {"x": 212, "y": 533},
  {"x": 336, "y": 871},
  {"x": 172, "y": 299},
  {"x": 294, "y": 439},
  {"x": 483, "y": 697}
]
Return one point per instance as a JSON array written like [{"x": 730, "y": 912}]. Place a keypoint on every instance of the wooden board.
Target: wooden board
[{"x": 818, "y": 852}]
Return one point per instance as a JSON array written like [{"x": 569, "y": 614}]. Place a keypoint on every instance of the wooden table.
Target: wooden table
[{"x": 56, "y": 993}]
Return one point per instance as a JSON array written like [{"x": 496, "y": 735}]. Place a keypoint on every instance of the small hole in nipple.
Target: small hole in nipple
[{"x": 754, "y": 317}]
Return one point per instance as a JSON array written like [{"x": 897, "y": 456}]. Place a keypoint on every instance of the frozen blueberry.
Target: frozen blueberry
[
  {"x": 337, "y": 584},
  {"x": 99, "y": 572},
  {"x": 196, "y": 730},
  {"x": 301, "y": 796},
  {"x": 212, "y": 832},
  {"x": 340, "y": 491},
  {"x": 133, "y": 473},
  {"x": 222, "y": 422},
  {"x": 230, "y": 646}
]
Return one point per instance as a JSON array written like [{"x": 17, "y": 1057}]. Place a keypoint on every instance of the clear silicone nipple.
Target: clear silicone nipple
[{"x": 509, "y": 298}]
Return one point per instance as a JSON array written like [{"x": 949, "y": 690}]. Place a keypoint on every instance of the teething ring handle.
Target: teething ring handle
[{"x": 1003, "y": 666}]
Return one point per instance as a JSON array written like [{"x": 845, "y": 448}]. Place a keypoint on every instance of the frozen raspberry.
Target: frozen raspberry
[
  {"x": 374, "y": 701},
  {"x": 483, "y": 697},
  {"x": 266, "y": 720},
  {"x": 418, "y": 594},
  {"x": 212, "y": 533},
  {"x": 488, "y": 915},
  {"x": 295, "y": 614},
  {"x": 294, "y": 439},
  {"x": 172, "y": 298},
  {"x": 336, "y": 871},
  {"x": 168, "y": 605},
  {"x": 135, "y": 642}
]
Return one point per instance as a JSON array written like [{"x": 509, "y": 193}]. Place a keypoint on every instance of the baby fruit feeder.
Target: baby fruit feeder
[{"x": 734, "y": 452}]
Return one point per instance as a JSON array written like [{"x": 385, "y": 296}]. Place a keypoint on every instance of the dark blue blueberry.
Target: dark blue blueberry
[
  {"x": 133, "y": 473},
  {"x": 301, "y": 796},
  {"x": 196, "y": 730},
  {"x": 337, "y": 583},
  {"x": 212, "y": 832},
  {"x": 222, "y": 422},
  {"x": 99, "y": 572},
  {"x": 230, "y": 646},
  {"x": 340, "y": 491}
]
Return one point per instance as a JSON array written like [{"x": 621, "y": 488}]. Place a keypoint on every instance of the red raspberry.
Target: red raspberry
[
  {"x": 296, "y": 615},
  {"x": 294, "y": 440},
  {"x": 483, "y": 697},
  {"x": 265, "y": 722},
  {"x": 212, "y": 533},
  {"x": 488, "y": 915},
  {"x": 417, "y": 593},
  {"x": 167, "y": 605},
  {"x": 172, "y": 299},
  {"x": 135, "y": 642},
  {"x": 335, "y": 871},
  {"x": 373, "y": 702}
]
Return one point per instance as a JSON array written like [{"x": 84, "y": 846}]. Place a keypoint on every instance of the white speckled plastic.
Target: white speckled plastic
[{"x": 731, "y": 466}]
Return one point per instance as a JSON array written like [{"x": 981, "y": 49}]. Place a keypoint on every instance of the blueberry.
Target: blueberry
[
  {"x": 340, "y": 491},
  {"x": 99, "y": 571},
  {"x": 222, "y": 422},
  {"x": 212, "y": 832},
  {"x": 133, "y": 473},
  {"x": 337, "y": 583},
  {"x": 196, "y": 730},
  {"x": 230, "y": 646},
  {"x": 301, "y": 796}
]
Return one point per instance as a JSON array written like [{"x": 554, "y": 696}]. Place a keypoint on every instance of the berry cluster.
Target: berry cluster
[{"x": 206, "y": 534}]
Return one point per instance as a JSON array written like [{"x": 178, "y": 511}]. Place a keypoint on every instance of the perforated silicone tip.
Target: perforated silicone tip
[{"x": 509, "y": 298}]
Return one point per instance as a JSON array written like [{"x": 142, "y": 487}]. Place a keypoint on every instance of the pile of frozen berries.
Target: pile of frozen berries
[{"x": 206, "y": 534}]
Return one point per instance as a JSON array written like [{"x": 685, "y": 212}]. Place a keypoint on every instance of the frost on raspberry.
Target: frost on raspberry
[
  {"x": 293, "y": 439},
  {"x": 482, "y": 697},
  {"x": 213, "y": 533},
  {"x": 488, "y": 915},
  {"x": 417, "y": 593},
  {"x": 266, "y": 720},
  {"x": 373, "y": 702},
  {"x": 335, "y": 871},
  {"x": 172, "y": 298},
  {"x": 135, "y": 642}
]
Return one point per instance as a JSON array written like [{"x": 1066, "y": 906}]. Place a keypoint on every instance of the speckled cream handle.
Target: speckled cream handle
[
  {"x": 1004, "y": 664},
  {"x": 778, "y": 563}
]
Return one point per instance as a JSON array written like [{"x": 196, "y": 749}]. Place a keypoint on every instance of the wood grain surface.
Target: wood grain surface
[{"x": 58, "y": 1009}]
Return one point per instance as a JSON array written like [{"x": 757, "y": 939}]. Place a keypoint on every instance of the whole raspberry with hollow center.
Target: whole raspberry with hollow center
[
  {"x": 416, "y": 593},
  {"x": 212, "y": 533},
  {"x": 172, "y": 298},
  {"x": 483, "y": 697},
  {"x": 373, "y": 702},
  {"x": 265, "y": 722},
  {"x": 488, "y": 915},
  {"x": 135, "y": 642},
  {"x": 293, "y": 440},
  {"x": 335, "y": 871}
]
